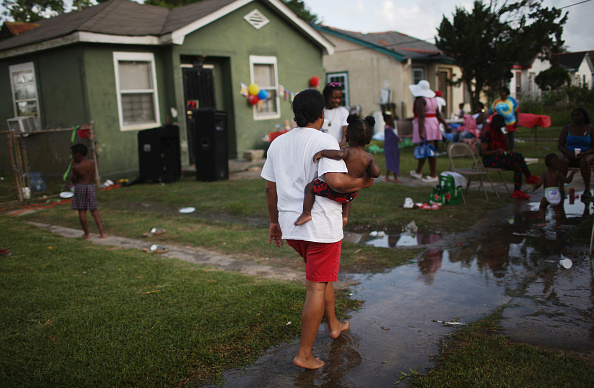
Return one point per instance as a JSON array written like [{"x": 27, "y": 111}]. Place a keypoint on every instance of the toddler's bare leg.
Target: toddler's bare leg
[
  {"x": 97, "y": 217},
  {"x": 558, "y": 216},
  {"x": 82, "y": 216},
  {"x": 308, "y": 203}
]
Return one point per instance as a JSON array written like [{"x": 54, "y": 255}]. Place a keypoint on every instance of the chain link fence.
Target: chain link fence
[{"x": 36, "y": 163}]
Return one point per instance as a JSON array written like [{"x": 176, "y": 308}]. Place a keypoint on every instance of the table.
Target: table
[{"x": 532, "y": 121}]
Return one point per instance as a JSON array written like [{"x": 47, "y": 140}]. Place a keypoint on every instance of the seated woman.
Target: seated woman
[
  {"x": 576, "y": 146},
  {"x": 494, "y": 146}
]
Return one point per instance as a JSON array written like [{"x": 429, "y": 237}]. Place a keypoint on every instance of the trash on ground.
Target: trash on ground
[
  {"x": 376, "y": 233},
  {"x": 5, "y": 252},
  {"x": 154, "y": 231},
  {"x": 411, "y": 228},
  {"x": 187, "y": 210},
  {"x": 156, "y": 249},
  {"x": 66, "y": 194},
  {"x": 108, "y": 183},
  {"x": 451, "y": 323},
  {"x": 565, "y": 263},
  {"x": 408, "y": 203}
]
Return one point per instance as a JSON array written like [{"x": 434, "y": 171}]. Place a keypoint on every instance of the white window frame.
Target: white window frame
[
  {"x": 263, "y": 60},
  {"x": 343, "y": 78},
  {"x": 419, "y": 69},
  {"x": 140, "y": 57},
  {"x": 22, "y": 67}
]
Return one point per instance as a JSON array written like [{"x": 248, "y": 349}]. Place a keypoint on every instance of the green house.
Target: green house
[{"x": 129, "y": 67}]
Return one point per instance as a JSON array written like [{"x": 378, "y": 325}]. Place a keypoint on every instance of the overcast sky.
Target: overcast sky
[{"x": 420, "y": 18}]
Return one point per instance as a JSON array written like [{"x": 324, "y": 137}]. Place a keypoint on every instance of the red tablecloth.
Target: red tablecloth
[
  {"x": 529, "y": 120},
  {"x": 273, "y": 135}
]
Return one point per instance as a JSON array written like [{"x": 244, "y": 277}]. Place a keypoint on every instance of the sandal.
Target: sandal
[
  {"x": 154, "y": 231},
  {"x": 156, "y": 249}
]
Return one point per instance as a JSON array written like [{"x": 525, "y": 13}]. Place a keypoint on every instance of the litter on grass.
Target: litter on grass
[{"x": 187, "y": 210}]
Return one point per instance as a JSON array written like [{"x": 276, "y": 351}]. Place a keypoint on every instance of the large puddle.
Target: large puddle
[{"x": 410, "y": 308}]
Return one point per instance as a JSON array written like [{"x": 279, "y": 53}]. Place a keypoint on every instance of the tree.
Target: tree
[
  {"x": 27, "y": 11},
  {"x": 552, "y": 78},
  {"x": 488, "y": 41}
]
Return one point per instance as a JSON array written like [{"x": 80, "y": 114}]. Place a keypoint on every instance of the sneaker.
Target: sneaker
[
  {"x": 532, "y": 179},
  {"x": 430, "y": 179},
  {"x": 519, "y": 194},
  {"x": 414, "y": 174}
]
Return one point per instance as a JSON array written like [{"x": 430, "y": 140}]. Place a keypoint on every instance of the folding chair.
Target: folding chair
[
  {"x": 476, "y": 170},
  {"x": 499, "y": 171}
]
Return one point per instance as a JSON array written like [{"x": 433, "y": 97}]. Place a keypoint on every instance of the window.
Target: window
[
  {"x": 137, "y": 90},
  {"x": 418, "y": 74},
  {"x": 24, "y": 90},
  {"x": 343, "y": 80},
  {"x": 518, "y": 84},
  {"x": 263, "y": 74}
]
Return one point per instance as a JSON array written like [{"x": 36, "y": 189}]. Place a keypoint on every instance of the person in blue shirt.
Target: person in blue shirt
[{"x": 508, "y": 107}]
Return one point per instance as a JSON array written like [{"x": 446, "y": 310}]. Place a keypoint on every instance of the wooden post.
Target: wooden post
[{"x": 13, "y": 165}]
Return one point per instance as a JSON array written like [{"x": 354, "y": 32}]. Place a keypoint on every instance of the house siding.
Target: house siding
[{"x": 76, "y": 84}]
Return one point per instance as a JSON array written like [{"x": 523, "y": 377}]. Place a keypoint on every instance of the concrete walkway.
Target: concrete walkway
[{"x": 191, "y": 255}]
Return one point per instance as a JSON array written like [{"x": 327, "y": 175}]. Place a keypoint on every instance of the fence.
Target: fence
[{"x": 40, "y": 160}]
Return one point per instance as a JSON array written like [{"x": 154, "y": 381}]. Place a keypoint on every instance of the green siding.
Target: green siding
[{"x": 77, "y": 84}]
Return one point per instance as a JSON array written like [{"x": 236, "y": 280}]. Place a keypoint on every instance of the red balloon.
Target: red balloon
[
  {"x": 314, "y": 81},
  {"x": 253, "y": 99}
]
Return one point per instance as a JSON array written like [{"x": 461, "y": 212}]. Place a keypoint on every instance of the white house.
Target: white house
[{"x": 580, "y": 67}]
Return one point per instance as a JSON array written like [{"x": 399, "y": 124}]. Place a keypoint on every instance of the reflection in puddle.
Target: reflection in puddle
[
  {"x": 404, "y": 239},
  {"x": 399, "y": 326}
]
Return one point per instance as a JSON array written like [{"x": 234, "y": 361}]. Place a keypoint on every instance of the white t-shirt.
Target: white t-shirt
[
  {"x": 338, "y": 119},
  {"x": 289, "y": 163}
]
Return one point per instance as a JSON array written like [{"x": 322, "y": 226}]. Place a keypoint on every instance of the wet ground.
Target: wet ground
[{"x": 458, "y": 279}]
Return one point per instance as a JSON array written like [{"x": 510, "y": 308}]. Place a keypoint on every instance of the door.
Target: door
[
  {"x": 198, "y": 93},
  {"x": 442, "y": 85}
]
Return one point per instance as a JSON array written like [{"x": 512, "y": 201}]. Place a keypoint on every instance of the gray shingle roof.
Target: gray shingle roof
[
  {"x": 571, "y": 61},
  {"x": 117, "y": 17}
]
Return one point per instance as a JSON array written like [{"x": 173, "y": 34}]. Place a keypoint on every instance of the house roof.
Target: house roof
[
  {"x": 128, "y": 22},
  {"x": 572, "y": 61},
  {"x": 393, "y": 43}
]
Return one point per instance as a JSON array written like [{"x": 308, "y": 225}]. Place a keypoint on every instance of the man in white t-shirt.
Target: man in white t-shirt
[{"x": 288, "y": 169}]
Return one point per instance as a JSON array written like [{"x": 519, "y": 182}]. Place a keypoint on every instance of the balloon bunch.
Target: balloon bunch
[{"x": 255, "y": 94}]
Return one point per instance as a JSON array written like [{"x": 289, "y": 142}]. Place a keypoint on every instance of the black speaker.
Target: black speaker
[
  {"x": 210, "y": 144},
  {"x": 159, "y": 156}
]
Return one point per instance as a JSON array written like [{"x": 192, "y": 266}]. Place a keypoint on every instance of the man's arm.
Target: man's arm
[
  {"x": 344, "y": 183},
  {"x": 275, "y": 234}
]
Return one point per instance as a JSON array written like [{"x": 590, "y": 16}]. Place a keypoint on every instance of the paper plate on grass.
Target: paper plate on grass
[
  {"x": 66, "y": 194},
  {"x": 187, "y": 210}
]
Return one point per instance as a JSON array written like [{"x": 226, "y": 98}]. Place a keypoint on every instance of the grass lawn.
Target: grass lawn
[{"x": 77, "y": 314}]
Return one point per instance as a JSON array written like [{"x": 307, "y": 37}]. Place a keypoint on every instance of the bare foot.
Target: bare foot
[
  {"x": 303, "y": 218},
  {"x": 312, "y": 363},
  {"x": 335, "y": 332},
  {"x": 86, "y": 236},
  {"x": 543, "y": 224},
  {"x": 104, "y": 235}
]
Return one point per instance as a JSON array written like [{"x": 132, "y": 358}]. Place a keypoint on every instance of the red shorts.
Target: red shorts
[
  {"x": 322, "y": 189},
  {"x": 322, "y": 260}
]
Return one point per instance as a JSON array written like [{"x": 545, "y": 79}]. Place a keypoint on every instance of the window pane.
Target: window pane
[
  {"x": 270, "y": 103},
  {"x": 264, "y": 75},
  {"x": 135, "y": 75},
  {"x": 138, "y": 108},
  {"x": 22, "y": 77},
  {"x": 26, "y": 108}
]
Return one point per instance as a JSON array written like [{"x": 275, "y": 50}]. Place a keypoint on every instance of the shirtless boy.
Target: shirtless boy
[
  {"x": 552, "y": 180},
  {"x": 83, "y": 175},
  {"x": 358, "y": 162}
]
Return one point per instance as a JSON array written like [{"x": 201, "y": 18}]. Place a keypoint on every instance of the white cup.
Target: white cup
[
  {"x": 566, "y": 263},
  {"x": 577, "y": 151}
]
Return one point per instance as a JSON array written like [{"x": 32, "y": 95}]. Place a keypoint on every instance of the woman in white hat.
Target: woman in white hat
[{"x": 426, "y": 126}]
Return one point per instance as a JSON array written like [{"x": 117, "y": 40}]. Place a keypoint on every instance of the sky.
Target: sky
[{"x": 420, "y": 18}]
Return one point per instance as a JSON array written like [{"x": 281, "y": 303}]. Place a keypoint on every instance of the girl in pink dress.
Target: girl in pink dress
[{"x": 426, "y": 126}]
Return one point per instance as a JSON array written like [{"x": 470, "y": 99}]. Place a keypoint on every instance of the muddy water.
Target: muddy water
[{"x": 410, "y": 308}]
